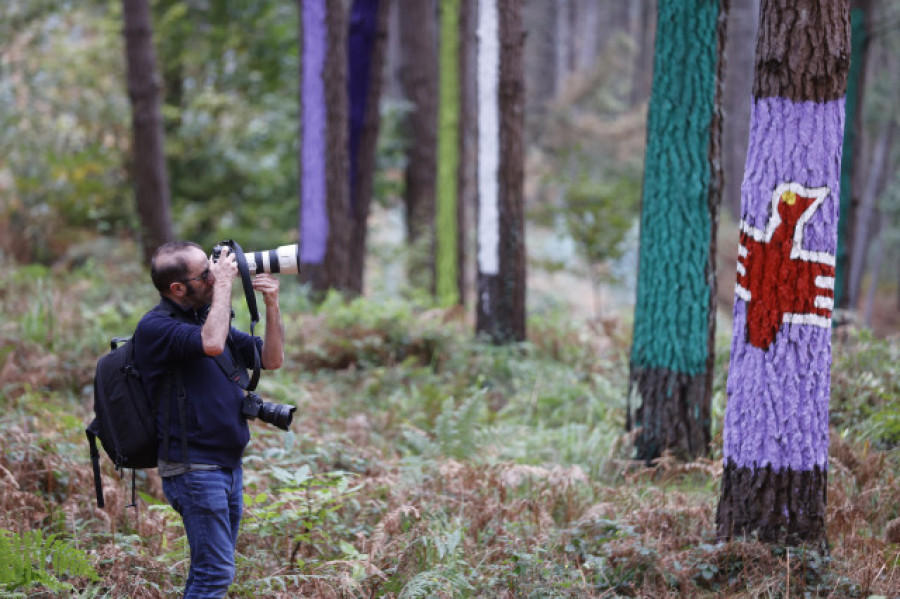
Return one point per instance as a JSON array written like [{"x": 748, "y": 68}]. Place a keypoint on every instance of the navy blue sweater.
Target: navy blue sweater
[{"x": 169, "y": 338}]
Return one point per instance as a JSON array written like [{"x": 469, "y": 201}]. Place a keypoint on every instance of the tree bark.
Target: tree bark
[
  {"x": 587, "y": 20},
  {"x": 867, "y": 209},
  {"x": 325, "y": 223},
  {"x": 446, "y": 223},
  {"x": 367, "y": 48},
  {"x": 468, "y": 132},
  {"x": 501, "y": 277},
  {"x": 674, "y": 322},
  {"x": 742, "y": 23},
  {"x": 337, "y": 258},
  {"x": 563, "y": 44},
  {"x": 877, "y": 258},
  {"x": 418, "y": 75},
  {"x": 148, "y": 167},
  {"x": 776, "y": 420},
  {"x": 645, "y": 39},
  {"x": 852, "y": 163}
]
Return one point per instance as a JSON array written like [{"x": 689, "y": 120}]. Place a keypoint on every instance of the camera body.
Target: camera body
[
  {"x": 279, "y": 415},
  {"x": 283, "y": 260}
]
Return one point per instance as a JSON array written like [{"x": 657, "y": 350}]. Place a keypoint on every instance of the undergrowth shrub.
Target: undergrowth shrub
[
  {"x": 865, "y": 392},
  {"x": 31, "y": 560}
]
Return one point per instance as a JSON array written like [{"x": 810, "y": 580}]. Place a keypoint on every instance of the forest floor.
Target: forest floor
[{"x": 422, "y": 461}]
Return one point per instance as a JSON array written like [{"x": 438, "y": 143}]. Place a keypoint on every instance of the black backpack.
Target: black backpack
[{"x": 125, "y": 418}]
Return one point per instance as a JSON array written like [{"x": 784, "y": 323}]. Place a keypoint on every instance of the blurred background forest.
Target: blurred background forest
[
  {"x": 229, "y": 80},
  {"x": 424, "y": 461}
]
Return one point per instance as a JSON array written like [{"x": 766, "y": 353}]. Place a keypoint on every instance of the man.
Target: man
[{"x": 202, "y": 432}]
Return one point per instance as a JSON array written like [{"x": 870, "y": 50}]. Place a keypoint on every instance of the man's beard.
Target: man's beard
[{"x": 197, "y": 299}]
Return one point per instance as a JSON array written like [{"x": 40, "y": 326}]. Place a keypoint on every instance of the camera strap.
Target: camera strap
[
  {"x": 254, "y": 313},
  {"x": 235, "y": 369},
  {"x": 247, "y": 283}
]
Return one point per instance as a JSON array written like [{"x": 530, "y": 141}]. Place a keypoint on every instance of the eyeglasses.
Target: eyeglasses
[{"x": 203, "y": 276}]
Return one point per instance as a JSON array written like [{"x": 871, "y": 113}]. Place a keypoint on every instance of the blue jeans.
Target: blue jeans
[{"x": 210, "y": 503}]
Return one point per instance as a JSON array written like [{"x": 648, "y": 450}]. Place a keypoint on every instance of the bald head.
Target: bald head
[{"x": 171, "y": 263}]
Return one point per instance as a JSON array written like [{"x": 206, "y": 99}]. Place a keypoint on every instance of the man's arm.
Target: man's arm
[
  {"x": 218, "y": 322},
  {"x": 273, "y": 344}
]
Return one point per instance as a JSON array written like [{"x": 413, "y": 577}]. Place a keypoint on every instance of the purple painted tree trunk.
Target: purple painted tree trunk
[
  {"x": 776, "y": 422},
  {"x": 313, "y": 189},
  {"x": 325, "y": 230},
  {"x": 366, "y": 44}
]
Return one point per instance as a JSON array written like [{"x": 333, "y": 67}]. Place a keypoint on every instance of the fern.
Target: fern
[
  {"x": 30, "y": 560},
  {"x": 282, "y": 583},
  {"x": 456, "y": 430},
  {"x": 435, "y": 582}
]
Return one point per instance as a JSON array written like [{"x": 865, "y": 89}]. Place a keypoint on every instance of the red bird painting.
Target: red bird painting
[{"x": 779, "y": 279}]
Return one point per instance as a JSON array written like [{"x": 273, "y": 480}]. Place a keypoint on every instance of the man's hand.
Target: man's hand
[
  {"x": 268, "y": 286},
  {"x": 273, "y": 344},
  {"x": 218, "y": 322},
  {"x": 224, "y": 270}
]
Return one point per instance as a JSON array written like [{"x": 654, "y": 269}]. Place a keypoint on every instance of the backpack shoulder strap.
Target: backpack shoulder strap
[{"x": 174, "y": 381}]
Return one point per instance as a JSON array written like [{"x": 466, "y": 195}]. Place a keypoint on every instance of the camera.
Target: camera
[
  {"x": 283, "y": 260},
  {"x": 275, "y": 414}
]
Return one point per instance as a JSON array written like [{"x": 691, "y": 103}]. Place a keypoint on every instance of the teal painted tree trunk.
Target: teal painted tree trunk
[
  {"x": 674, "y": 322},
  {"x": 858, "y": 44}
]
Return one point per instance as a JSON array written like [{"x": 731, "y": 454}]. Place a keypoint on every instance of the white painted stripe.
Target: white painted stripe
[
  {"x": 741, "y": 269},
  {"x": 488, "y": 138},
  {"x": 742, "y": 251},
  {"x": 811, "y": 319},
  {"x": 742, "y": 293},
  {"x": 825, "y": 282},
  {"x": 824, "y": 302}
]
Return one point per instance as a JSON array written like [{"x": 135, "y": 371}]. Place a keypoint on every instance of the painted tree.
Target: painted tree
[
  {"x": 850, "y": 166},
  {"x": 674, "y": 322},
  {"x": 367, "y": 41},
  {"x": 468, "y": 138},
  {"x": 324, "y": 157},
  {"x": 501, "y": 222},
  {"x": 776, "y": 421},
  {"x": 419, "y": 79},
  {"x": 148, "y": 165},
  {"x": 448, "y": 139}
]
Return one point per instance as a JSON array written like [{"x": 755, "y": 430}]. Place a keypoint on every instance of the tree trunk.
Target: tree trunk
[
  {"x": 501, "y": 223},
  {"x": 674, "y": 323},
  {"x": 337, "y": 170},
  {"x": 151, "y": 179},
  {"x": 851, "y": 163},
  {"x": 563, "y": 44},
  {"x": 742, "y": 21},
  {"x": 867, "y": 208},
  {"x": 314, "y": 226},
  {"x": 325, "y": 186},
  {"x": 418, "y": 40},
  {"x": 587, "y": 14},
  {"x": 877, "y": 258},
  {"x": 366, "y": 47},
  {"x": 776, "y": 421},
  {"x": 468, "y": 137},
  {"x": 540, "y": 53},
  {"x": 644, "y": 38},
  {"x": 446, "y": 224}
]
